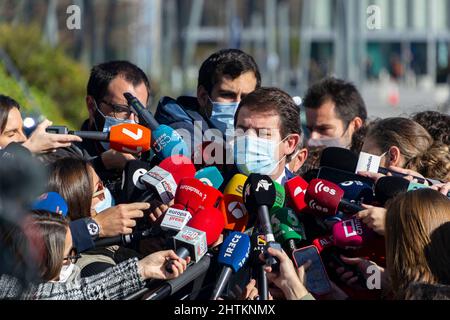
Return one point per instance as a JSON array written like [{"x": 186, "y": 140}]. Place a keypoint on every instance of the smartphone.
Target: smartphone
[
  {"x": 317, "y": 280},
  {"x": 338, "y": 176},
  {"x": 57, "y": 130}
]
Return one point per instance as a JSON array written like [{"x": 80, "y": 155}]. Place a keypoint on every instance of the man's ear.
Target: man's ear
[
  {"x": 202, "y": 98},
  {"x": 357, "y": 123},
  {"x": 395, "y": 157},
  {"x": 291, "y": 143},
  {"x": 299, "y": 160}
]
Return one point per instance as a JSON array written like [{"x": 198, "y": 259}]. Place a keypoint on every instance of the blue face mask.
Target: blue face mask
[
  {"x": 110, "y": 122},
  {"x": 256, "y": 155},
  {"x": 222, "y": 116},
  {"x": 106, "y": 203}
]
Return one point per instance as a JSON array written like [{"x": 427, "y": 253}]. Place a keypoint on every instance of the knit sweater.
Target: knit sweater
[{"x": 115, "y": 283}]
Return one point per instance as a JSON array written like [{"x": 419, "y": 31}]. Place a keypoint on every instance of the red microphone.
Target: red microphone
[
  {"x": 324, "y": 242},
  {"x": 194, "y": 195},
  {"x": 209, "y": 220},
  {"x": 180, "y": 166},
  {"x": 296, "y": 190},
  {"x": 326, "y": 198},
  {"x": 124, "y": 137}
]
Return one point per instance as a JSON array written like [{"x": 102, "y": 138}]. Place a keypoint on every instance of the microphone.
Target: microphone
[
  {"x": 175, "y": 219},
  {"x": 174, "y": 285},
  {"x": 280, "y": 196},
  {"x": 296, "y": 190},
  {"x": 357, "y": 191},
  {"x": 287, "y": 228},
  {"x": 126, "y": 239},
  {"x": 210, "y": 176},
  {"x": 233, "y": 208},
  {"x": 202, "y": 230},
  {"x": 327, "y": 198},
  {"x": 388, "y": 187},
  {"x": 167, "y": 142},
  {"x": 164, "y": 179},
  {"x": 339, "y": 158},
  {"x": 124, "y": 137},
  {"x": 259, "y": 196},
  {"x": 145, "y": 116},
  {"x": 233, "y": 254},
  {"x": 323, "y": 243},
  {"x": 132, "y": 187},
  {"x": 194, "y": 195},
  {"x": 352, "y": 234}
]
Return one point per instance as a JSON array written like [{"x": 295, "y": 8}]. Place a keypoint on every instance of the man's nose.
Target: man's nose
[{"x": 315, "y": 135}]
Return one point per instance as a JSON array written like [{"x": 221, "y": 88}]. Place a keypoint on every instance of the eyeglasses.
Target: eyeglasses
[
  {"x": 119, "y": 111},
  {"x": 73, "y": 256}
]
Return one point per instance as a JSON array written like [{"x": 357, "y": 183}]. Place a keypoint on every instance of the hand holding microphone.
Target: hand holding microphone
[
  {"x": 374, "y": 218},
  {"x": 41, "y": 141},
  {"x": 153, "y": 266}
]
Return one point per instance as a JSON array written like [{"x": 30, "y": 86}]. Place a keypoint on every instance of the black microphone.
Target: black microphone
[
  {"x": 172, "y": 286},
  {"x": 339, "y": 158},
  {"x": 145, "y": 116},
  {"x": 259, "y": 195},
  {"x": 127, "y": 239}
]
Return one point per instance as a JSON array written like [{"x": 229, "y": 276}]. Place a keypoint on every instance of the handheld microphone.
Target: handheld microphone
[
  {"x": 327, "y": 198},
  {"x": 233, "y": 208},
  {"x": 132, "y": 187},
  {"x": 174, "y": 285},
  {"x": 125, "y": 137},
  {"x": 259, "y": 196},
  {"x": 164, "y": 179},
  {"x": 175, "y": 219},
  {"x": 167, "y": 142},
  {"x": 201, "y": 231},
  {"x": 233, "y": 254},
  {"x": 339, "y": 158},
  {"x": 145, "y": 116},
  {"x": 280, "y": 196},
  {"x": 324, "y": 242},
  {"x": 287, "y": 228},
  {"x": 194, "y": 195},
  {"x": 388, "y": 187},
  {"x": 296, "y": 190},
  {"x": 357, "y": 191},
  {"x": 352, "y": 234},
  {"x": 126, "y": 239},
  {"x": 210, "y": 176}
]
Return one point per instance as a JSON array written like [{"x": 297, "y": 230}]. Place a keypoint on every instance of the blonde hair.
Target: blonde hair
[
  {"x": 412, "y": 252},
  {"x": 420, "y": 151}
]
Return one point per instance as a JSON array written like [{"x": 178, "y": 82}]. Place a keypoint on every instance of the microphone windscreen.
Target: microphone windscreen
[
  {"x": 130, "y": 138},
  {"x": 210, "y": 176},
  {"x": 388, "y": 187},
  {"x": 234, "y": 251},
  {"x": 167, "y": 142},
  {"x": 179, "y": 166},
  {"x": 352, "y": 233},
  {"x": 323, "y": 196},
  {"x": 212, "y": 197},
  {"x": 190, "y": 194},
  {"x": 287, "y": 226},
  {"x": 209, "y": 220},
  {"x": 52, "y": 202},
  {"x": 357, "y": 191},
  {"x": 259, "y": 190},
  {"x": 339, "y": 158},
  {"x": 233, "y": 208},
  {"x": 280, "y": 196},
  {"x": 296, "y": 190}
]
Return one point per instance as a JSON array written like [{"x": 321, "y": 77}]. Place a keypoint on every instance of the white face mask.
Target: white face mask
[
  {"x": 222, "y": 116},
  {"x": 66, "y": 272},
  {"x": 327, "y": 142}
]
